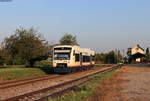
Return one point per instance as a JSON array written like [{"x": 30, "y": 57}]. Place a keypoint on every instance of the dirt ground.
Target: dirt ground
[{"x": 130, "y": 83}]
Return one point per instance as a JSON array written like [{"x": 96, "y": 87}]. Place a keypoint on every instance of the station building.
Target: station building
[{"x": 137, "y": 53}]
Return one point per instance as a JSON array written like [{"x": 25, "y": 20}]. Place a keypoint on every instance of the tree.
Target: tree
[
  {"x": 129, "y": 55},
  {"x": 125, "y": 60},
  {"x": 26, "y": 46},
  {"x": 1, "y": 56},
  {"x": 147, "y": 55},
  {"x": 110, "y": 57},
  {"x": 100, "y": 57},
  {"x": 119, "y": 57},
  {"x": 68, "y": 39}
]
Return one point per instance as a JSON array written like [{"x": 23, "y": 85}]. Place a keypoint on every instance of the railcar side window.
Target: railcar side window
[
  {"x": 93, "y": 58},
  {"x": 86, "y": 58},
  {"x": 77, "y": 57}
]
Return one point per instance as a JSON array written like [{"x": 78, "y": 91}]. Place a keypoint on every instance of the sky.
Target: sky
[{"x": 102, "y": 25}]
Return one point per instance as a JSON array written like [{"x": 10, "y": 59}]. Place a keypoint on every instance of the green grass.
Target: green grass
[
  {"x": 82, "y": 92},
  {"x": 18, "y": 73},
  {"x": 44, "y": 63},
  {"x": 102, "y": 64},
  {"x": 11, "y": 72}
]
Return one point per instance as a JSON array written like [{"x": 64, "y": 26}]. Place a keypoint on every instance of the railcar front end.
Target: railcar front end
[{"x": 68, "y": 59}]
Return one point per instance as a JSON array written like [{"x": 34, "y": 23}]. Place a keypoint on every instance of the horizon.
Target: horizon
[{"x": 99, "y": 25}]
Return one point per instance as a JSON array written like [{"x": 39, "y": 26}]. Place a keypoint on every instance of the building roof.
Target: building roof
[{"x": 138, "y": 46}]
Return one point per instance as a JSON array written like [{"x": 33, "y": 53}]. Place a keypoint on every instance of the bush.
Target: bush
[
  {"x": 43, "y": 63},
  {"x": 18, "y": 73},
  {"x": 1, "y": 61}
]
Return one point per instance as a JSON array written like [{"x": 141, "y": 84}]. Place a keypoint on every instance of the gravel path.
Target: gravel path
[{"x": 131, "y": 83}]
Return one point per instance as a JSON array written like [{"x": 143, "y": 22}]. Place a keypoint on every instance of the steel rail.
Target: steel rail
[
  {"x": 44, "y": 94},
  {"x": 26, "y": 81}
]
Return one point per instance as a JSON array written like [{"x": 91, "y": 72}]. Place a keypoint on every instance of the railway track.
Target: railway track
[
  {"x": 44, "y": 94},
  {"x": 14, "y": 83}
]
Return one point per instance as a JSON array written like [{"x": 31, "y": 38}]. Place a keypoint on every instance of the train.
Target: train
[{"x": 68, "y": 58}]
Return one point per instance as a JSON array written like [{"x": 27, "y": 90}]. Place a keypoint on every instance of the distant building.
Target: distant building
[
  {"x": 137, "y": 53},
  {"x": 137, "y": 49}
]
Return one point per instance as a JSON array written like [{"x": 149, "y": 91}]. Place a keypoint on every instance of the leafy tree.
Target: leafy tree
[
  {"x": 68, "y": 39},
  {"x": 110, "y": 57},
  {"x": 100, "y": 57},
  {"x": 125, "y": 60},
  {"x": 26, "y": 46},
  {"x": 1, "y": 56},
  {"x": 129, "y": 55},
  {"x": 119, "y": 56},
  {"x": 147, "y": 55}
]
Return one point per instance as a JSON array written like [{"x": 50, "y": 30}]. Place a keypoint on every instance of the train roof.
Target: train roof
[
  {"x": 76, "y": 47},
  {"x": 69, "y": 46}
]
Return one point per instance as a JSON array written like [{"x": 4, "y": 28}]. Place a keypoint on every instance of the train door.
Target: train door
[{"x": 81, "y": 59}]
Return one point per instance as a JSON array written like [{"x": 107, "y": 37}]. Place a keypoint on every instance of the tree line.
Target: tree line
[
  {"x": 111, "y": 57},
  {"x": 27, "y": 46}
]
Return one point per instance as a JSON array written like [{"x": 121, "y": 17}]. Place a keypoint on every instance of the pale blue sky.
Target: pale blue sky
[{"x": 101, "y": 25}]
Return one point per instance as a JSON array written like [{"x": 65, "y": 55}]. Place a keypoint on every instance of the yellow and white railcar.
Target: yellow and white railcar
[{"x": 67, "y": 58}]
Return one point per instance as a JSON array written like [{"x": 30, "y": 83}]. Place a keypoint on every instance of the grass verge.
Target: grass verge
[
  {"x": 83, "y": 91},
  {"x": 18, "y": 73},
  {"x": 100, "y": 65}
]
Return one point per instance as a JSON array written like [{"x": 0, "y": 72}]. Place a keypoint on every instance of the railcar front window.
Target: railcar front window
[{"x": 62, "y": 56}]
